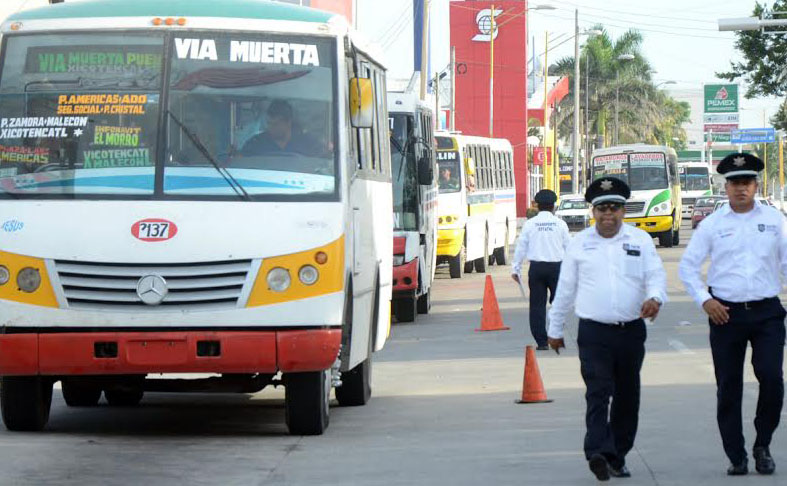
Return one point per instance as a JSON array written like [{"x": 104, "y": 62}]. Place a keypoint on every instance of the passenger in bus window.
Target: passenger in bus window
[{"x": 282, "y": 134}]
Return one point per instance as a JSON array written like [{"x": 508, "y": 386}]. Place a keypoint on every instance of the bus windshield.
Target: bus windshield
[
  {"x": 641, "y": 171},
  {"x": 694, "y": 178},
  {"x": 448, "y": 163},
  {"x": 405, "y": 177},
  {"x": 82, "y": 115}
]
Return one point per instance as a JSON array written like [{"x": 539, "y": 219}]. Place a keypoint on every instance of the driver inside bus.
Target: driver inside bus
[
  {"x": 447, "y": 181},
  {"x": 282, "y": 135}
]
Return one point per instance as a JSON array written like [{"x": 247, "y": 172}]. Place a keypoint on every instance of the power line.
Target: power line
[{"x": 631, "y": 13}]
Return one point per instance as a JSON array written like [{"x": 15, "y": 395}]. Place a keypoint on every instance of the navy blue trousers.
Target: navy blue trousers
[
  {"x": 762, "y": 325},
  {"x": 541, "y": 278},
  {"x": 611, "y": 359}
]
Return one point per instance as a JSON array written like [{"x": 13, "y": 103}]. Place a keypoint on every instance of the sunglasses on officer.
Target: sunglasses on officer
[{"x": 610, "y": 206}]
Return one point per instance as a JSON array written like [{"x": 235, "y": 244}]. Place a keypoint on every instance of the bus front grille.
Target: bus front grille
[
  {"x": 189, "y": 286},
  {"x": 635, "y": 207}
]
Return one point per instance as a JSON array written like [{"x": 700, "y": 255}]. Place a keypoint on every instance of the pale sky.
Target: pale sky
[{"x": 682, "y": 40}]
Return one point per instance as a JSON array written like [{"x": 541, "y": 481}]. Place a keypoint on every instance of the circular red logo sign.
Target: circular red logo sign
[{"x": 154, "y": 229}]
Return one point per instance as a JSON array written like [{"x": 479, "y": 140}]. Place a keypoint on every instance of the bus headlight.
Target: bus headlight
[
  {"x": 278, "y": 279},
  {"x": 5, "y": 275},
  {"x": 308, "y": 275},
  {"x": 28, "y": 280},
  {"x": 398, "y": 260}
]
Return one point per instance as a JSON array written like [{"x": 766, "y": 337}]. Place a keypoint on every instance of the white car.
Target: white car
[{"x": 575, "y": 211}]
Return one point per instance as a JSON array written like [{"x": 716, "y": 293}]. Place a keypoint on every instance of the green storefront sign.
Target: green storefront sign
[{"x": 721, "y": 98}]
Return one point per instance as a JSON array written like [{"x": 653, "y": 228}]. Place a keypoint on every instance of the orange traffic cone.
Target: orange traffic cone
[
  {"x": 490, "y": 313},
  {"x": 532, "y": 387}
]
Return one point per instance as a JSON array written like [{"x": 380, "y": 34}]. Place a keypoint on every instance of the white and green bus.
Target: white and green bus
[
  {"x": 695, "y": 182},
  {"x": 191, "y": 186},
  {"x": 651, "y": 171}
]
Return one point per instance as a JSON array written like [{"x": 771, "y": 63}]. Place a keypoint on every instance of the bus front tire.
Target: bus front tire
[
  {"x": 480, "y": 263},
  {"x": 676, "y": 238},
  {"x": 306, "y": 405},
  {"x": 666, "y": 238},
  {"x": 455, "y": 264},
  {"x": 79, "y": 394},
  {"x": 356, "y": 387},
  {"x": 501, "y": 254},
  {"x": 25, "y": 402}
]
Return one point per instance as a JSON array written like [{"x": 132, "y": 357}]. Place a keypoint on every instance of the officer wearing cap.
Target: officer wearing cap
[
  {"x": 543, "y": 243},
  {"x": 747, "y": 245},
  {"x": 614, "y": 279}
]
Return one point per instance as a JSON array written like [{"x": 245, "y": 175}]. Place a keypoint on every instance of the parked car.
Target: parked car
[
  {"x": 575, "y": 211},
  {"x": 703, "y": 207}
]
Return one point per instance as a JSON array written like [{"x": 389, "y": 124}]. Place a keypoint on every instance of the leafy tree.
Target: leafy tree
[
  {"x": 646, "y": 114},
  {"x": 763, "y": 66}
]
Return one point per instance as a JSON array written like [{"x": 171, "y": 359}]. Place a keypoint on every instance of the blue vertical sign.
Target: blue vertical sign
[{"x": 418, "y": 34}]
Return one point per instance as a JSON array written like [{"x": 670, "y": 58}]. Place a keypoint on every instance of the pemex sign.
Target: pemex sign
[{"x": 721, "y": 98}]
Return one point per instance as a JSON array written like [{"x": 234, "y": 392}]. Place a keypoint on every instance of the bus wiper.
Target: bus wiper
[{"x": 224, "y": 173}]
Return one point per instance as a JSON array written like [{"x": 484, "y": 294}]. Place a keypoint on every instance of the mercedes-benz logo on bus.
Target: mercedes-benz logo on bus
[{"x": 152, "y": 289}]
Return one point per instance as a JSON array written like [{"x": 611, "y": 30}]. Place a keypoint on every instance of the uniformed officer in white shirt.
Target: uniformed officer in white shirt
[
  {"x": 543, "y": 242},
  {"x": 614, "y": 279},
  {"x": 747, "y": 245}
]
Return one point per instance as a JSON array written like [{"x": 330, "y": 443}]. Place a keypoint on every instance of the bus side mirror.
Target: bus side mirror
[
  {"x": 361, "y": 102},
  {"x": 469, "y": 166},
  {"x": 425, "y": 171}
]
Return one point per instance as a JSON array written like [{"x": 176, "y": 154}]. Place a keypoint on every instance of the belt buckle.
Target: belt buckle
[
  {"x": 620, "y": 324},
  {"x": 747, "y": 305}
]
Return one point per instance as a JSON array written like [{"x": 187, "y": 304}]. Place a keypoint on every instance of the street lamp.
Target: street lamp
[
  {"x": 575, "y": 186},
  {"x": 750, "y": 23},
  {"x": 664, "y": 83},
  {"x": 622, "y": 58}
]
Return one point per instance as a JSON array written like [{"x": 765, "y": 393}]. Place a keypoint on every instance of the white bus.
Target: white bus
[
  {"x": 477, "y": 202},
  {"x": 191, "y": 187},
  {"x": 651, "y": 171},
  {"x": 414, "y": 204},
  {"x": 695, "y": 182}
]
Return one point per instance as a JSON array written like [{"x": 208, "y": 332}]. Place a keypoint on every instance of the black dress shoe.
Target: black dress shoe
[
  {"x": 763, "y": 461},
  {"x": 542, "y": 347},
  {"x": 621, "y": 472},
  {"x": 599, "y": 466},
  {"x": 741, "y": 469}
]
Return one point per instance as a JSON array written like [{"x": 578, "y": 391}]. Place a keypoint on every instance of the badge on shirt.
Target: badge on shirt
[
  {"x": 761, "y": 228},
  {"x": 631, "y": 250}
]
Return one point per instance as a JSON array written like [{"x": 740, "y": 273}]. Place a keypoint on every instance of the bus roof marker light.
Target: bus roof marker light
[
  {"x": 156, "y": 21},
  {"x": 182, "y": 21},
  {"x": 170, "y": 21},
  {"x": 16, "y": 26},
  {"x": 321, "y": 257},
  {"x": 5, "y": 275}
]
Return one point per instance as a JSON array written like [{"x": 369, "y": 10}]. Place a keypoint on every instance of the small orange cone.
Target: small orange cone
[
  {"x": 490, "y": 313},
  {"x": 532, "y": 386}
]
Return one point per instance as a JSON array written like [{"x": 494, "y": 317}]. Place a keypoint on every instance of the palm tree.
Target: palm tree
[{"x": 645, "y": 113}]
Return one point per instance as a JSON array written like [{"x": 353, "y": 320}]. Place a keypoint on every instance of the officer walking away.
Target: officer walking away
[
  {"x": 614, "y": 279},
  {"x": 747, "y": 245},
  {"x": 543, "y": 242}
]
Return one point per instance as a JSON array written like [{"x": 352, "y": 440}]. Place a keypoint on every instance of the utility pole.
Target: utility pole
[
  {"x": 453, "y": 88},
  {"x": 575, "y": 173},
  {"x": 491, "y": 71},
  {"x": 547, "y": 171},
  {"x": 586, "y": 165},
  {"x": 424, "y": 46},
  {"x": 437, "y": 100},
  {"x": 781, "y": 171},
  {"x": 617, "y": 103}
]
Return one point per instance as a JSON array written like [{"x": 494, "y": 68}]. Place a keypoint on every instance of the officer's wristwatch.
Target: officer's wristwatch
[{"x": 657, "y": 300}]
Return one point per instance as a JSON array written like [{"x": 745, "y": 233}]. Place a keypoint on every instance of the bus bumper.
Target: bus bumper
[
  {"x": 111, "y": 353},
  {"x": 652, "y": 224},
  {"x": 449, "y": 241},
  {"x": 405, "y": 277}
]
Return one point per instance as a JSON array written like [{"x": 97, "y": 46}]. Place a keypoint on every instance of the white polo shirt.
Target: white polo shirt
[{"x": 607, "y": 279}]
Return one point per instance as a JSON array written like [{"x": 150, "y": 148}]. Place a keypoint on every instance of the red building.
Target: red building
[{"x": 471, "y": 36}]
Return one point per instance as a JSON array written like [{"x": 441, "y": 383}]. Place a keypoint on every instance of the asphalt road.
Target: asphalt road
[{"x": 443, "y": 412}]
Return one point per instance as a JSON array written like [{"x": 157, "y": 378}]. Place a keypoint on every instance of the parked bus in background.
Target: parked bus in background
[
  {"x": 695, "y": 182},
  {"x": 651, "y": 171},
  {"x": 414, "y": 204},
  {"x": 198, "y": 187},
  {"x": 476, "y": 205}
]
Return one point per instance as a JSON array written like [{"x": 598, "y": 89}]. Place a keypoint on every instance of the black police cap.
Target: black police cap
[
  {"x": 607, "y": 189},
  {"x": 739, "y": 166},
  {"x": 545, "y": 196}
]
